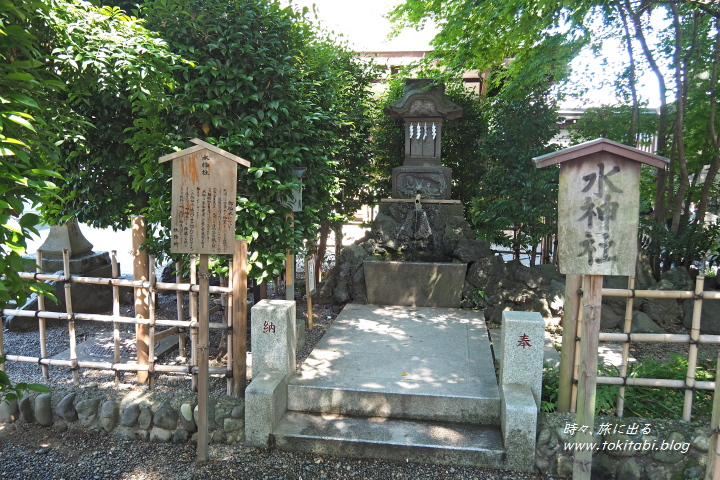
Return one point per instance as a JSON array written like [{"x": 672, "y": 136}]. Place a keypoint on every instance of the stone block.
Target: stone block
[
  {"x": 274, "y": 331},
  {"x": 523, "y": 339},
  {"x": 518, "y": 420},
  {"x": 417, "y": 284},
  {"x": 300, "y": 333},
  {"x": 265, "y": 404}
]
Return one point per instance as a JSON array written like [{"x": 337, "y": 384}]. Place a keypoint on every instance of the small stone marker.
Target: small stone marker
[
  {"x": 204, "y": 192},
  {"x": 523, "y": 343},
  {"x": 273, "y": 336}
]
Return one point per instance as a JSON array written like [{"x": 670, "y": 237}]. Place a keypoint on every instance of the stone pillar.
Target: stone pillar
[
  {"x": 274, "y": 340},
  {"x": 523, "y": 339}
]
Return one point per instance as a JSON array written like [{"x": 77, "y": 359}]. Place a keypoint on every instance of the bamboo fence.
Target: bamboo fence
[
  {"x": 233, "y": 325},
  {"x": 693, "y": 339}
]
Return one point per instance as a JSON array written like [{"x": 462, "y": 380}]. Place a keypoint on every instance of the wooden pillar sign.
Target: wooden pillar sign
[
  {"x": 204, "y": 192},
  {"x": 598, "y": 213}
]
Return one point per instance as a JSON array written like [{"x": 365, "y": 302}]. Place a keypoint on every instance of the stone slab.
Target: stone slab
[
  {"x": 519, "y": 426},
  {"x": 274, "y": 336},
  {"x": 522, "y": 338},
  {"x": 100, "y": 348},
  {"x": 417, "y": 284},
  {"x": 390, "y": 439},
  {"x": 265, "y": 404},
  {"x": 401, "y": 362},
  {"x": 452, "y": 208}
]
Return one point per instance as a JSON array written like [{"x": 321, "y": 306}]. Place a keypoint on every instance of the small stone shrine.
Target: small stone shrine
[{"x": 423, "y": 107}]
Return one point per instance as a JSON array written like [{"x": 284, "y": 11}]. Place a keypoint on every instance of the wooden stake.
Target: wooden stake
[
  {"x": 182, "y": 338},
  {"x": 194, "y": 319},
  {"x": 116, "y": 312},
  {"x": 151, "y": 325},
  {"x": 70, "y": 318},
  {"x": 203, "y": 359},
  {"x": 692, "y": 354},
  {"x": 290, "y": 267},
  {"x": 592, "y": 303},
  {"x": 573, "y": 283},
  {"x": 140, "y": 272},
  {"x": 239, "y": 318},
  {"x": 712, "y": 472},
  {"x": 627, "y": 328},
  {"x": 41, "y": 321}
]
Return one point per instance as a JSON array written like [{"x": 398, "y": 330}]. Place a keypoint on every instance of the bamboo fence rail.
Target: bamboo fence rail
[
  {"x": 174, "y": 327},
  {"x": 693, "y": 339}
]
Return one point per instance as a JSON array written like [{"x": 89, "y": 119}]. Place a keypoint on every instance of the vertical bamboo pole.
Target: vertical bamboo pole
[
  {"x": 712, "y": 472},
  {"x": 41, "y": 321},
  {"x": 151, "y": 326},
  {"x": 692, "y": 354},
  {"x": 116, "y": 312},
  {"x": 290, "y": 267},
  {"x": 194, "y": 318},
  {"x": 627, "y": 328},
  {"x": 573, "y": 284},
  {"x": 140, "y": 271},
  {"x": 587, "y": 376},
  {"x": 70, "y": 317},
  {"x": 203, "y": 359},
  {"x": 182, "y": 337},
  {"x": 228, "y": 314},
  {"x": 239, "y": 317}
]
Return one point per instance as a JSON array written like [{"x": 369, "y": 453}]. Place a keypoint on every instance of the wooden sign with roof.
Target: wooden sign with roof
[
  {"x": 204, "y": 190},
  {"x": 598, "y": 206}
]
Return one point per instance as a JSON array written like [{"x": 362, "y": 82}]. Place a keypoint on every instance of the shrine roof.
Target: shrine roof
[{"x": 600, "y": 145}]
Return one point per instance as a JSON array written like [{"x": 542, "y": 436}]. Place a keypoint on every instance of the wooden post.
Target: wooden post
[
  {"x": 116, "y": 313},
  {"x": 587, "y": 376},
  {"x": 194, "y": 317},
  {"x": 627, "y": 328},
  {"x": 309, "y": 287},
  {"x": 203, "y": 359},
  {"x": 182, "y": 337},
  {"x": 41, "y": 321},
  {"x": 713, "y": 465},
  {"x": 151, "y": 325},
  {"x": 140, "y": 272},
  {"x": 290, "y": 267},
  {"x": 239, "y": 316},
  {"x": 70, "y": 317},
  {"x": 693, "y": 350},
  {"x": 573, "y": 283}
]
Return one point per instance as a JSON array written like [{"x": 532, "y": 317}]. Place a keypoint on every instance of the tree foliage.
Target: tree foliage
[
  {"x": 25, "y": 176},
  {"x": 514, "y": 196},
  {"x": 676, "y": 41}
]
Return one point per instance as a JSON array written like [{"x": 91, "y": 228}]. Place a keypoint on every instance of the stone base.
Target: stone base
[
  {"x": 86, "y": 298},
  {"x": 452, "y": 208},
  {"x": 416, "y": 284},
  {"x": 432, "y": 182},
  {"x": 79, "y": 265}
]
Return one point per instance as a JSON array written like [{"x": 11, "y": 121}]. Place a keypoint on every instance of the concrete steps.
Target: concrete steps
[
  {"x": 398, "y": 383},
  {"x": 391, "y": 439}
]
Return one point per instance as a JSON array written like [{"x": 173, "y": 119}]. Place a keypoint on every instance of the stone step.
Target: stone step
[
  {"x": 401, "y": 362},
  {"x": 391, "y": 439},
  {"x": 476, "y": 405}
]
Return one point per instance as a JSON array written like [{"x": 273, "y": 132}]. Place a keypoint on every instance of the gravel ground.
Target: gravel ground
[{"x": 29, "y": 452}]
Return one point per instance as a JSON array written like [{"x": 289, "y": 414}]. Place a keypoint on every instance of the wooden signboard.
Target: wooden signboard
[
  {"x": 204, "y": 190},
  {"x": 204, "y": 186},
  {"x": 598, "y": 210},
  {"x": 598, "y": 206}
]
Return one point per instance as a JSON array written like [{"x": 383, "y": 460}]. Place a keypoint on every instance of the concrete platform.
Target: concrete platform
[{"x": 419, "y": 363}]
